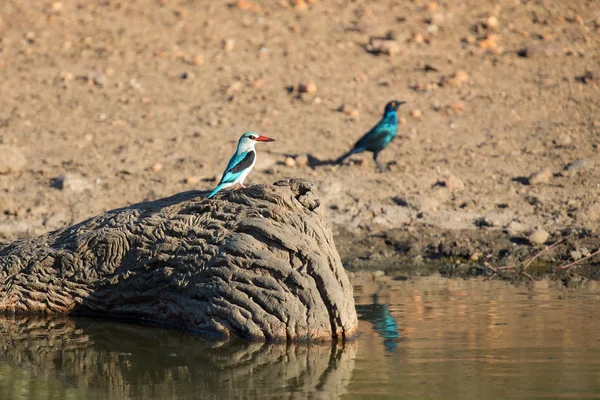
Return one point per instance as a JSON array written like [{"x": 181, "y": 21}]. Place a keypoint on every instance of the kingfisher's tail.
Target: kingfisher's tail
[
  {"x": 218, "y": 189},
  {"x": 348, "y": 154}
]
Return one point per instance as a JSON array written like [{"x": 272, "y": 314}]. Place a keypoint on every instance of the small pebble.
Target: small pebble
[
  {"x": 157, "y": 167},
  {"x": 384, "y": 46},
  {"x": 491, "y": 22},
  {"x": 583, "y": 164},
  {"x": 198, "y": 59},
  {"x": 431, "y": 6},
  {"x": 228, "y": 44},
  {"x": 490, "y": 42},
  {"x": 462, "y": 76},
  {"x": 454, "y": 183},
  {"x": 416, "y": 113},
  {"x": 192, "y": 180},
  {"x": 540, "y": 177},
  {"x": 73, "y": 182},
  {"x": 418, "y": 38},
  {"x": 308, "y": 87},
  {"x": 248, "y": 5},
  {"x": 514, "y": 228},
  {"x": 539, "y": 236},
  {"x": 96, "y": 77},
  {"x": 289, "y": 162},
  {"x": 302, "y": 160}
]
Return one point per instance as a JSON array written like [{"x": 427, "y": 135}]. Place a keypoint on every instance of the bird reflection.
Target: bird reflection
[{"x": 383, "y": 322}]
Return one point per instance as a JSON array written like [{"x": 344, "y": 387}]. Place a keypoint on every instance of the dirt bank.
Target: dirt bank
[{"x": 108, "y": 103}]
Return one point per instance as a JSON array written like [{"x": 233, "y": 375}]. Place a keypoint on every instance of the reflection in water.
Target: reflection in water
[
  {"x": 461, "y": 339},
  {"x": 85, "y": 358},
  {"x": 383, "y": 321},
  {"x": 472, "y": 339}
]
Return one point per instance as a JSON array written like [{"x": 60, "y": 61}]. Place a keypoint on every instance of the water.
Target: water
[{"x": 422, "y": 338}]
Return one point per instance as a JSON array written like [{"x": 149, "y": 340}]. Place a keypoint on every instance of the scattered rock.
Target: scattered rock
[
  {"x": 581, "y": 165},
  {"x": 248, "y": 5},
  {"x": 192, "y": 180},
  {"x": 539, "y": 236},
  {"x": 384, "y": 46},
  {"x": 378, "y": 273},
  {"x": 198, "y": 59},
  {"x": 579, "y": 253},
  {"x": 157, "y": 167},
  {"x": 416, "y": 113},
  {"x": 56, "y": 6},
  {"x": 590, "y": 213},
  {"x": 308, "y": 87},
  {"x": 454, "y": 183},
  {"x": 228, "y": 44},
  {"x": 564, "y": 140},
  {"x": 544, "y": 50},
  {"x": 72, "y": 182},
  {"x": 418, "y": 38},
  {"x": 462, "y": 76},
  {"x": 459, "y": 78},
  {"x": 491, "y": 22},
  {"x": 289, "y": 162},
  {"x": 96, "y": 77},
  {"x": 302, "y": 160},
  {"x": 431, "y": 6},
  {"x": 491, "y": 43},
  {"x": 540, "y": 177},
  {"x": 11, "y": 159},
  {"x": 300, "y": 5},
  {"x": 259, "y": 83},
  {"x": 423, "y": 203},
  {"x": 470, "y": 39},
  {"x": 349, "y": 111},
  {"x": 235, "y": 87}
]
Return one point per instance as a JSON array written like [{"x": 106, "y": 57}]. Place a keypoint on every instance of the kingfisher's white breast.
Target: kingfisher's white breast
[{"x": 247, "y": 170}]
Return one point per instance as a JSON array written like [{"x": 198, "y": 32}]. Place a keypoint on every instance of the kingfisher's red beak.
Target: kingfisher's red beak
[{"x": 264, "y": 139}]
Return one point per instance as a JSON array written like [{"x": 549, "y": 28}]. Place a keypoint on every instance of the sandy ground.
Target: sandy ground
[{"x": 107, "y": 103}]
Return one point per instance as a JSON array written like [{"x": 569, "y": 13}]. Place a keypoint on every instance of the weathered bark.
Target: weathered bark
[
  {"x": 258, "y": 263},
  {"x": 108, "y": 360}
]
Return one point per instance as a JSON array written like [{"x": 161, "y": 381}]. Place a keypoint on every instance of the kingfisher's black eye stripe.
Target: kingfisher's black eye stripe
[{"x": 244, "y": 163}]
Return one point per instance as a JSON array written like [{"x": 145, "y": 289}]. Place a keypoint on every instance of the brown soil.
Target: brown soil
[{"x": 139, "y": 100}]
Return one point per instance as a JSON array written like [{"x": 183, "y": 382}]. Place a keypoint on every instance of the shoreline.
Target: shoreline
[{"x": 469, "y": 253}]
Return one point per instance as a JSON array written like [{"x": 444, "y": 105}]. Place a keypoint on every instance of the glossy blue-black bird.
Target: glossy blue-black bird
[
  {"x": 241, "y": 163},
  {"x": 379, "y": 136}
]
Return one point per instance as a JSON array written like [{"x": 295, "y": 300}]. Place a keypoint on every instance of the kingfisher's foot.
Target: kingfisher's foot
[
  {"x": 242, "y": 186},
  {"x": 236, "y": 186}
]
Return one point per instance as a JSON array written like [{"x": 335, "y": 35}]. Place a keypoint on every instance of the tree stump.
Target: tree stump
[{"x": 257, "y": 263}]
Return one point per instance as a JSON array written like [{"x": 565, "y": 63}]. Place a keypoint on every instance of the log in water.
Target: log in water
[{"x": 258, "y": 263}]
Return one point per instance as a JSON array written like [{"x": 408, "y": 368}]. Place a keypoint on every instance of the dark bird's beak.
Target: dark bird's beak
[{"x": 264, "y": 139}]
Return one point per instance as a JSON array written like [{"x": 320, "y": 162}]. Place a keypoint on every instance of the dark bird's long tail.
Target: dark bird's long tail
[{"x": 348, "y": 154}]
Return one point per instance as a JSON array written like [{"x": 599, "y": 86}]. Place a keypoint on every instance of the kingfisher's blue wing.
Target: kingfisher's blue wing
[{"x": 237, "y": 165}]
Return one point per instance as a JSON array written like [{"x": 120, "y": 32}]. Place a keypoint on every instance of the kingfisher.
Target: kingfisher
[
  {"x": 379, "y": 136},
  {"x": 241, "y": 163}
]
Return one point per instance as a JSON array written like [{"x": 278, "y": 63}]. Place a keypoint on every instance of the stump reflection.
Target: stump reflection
[{"x": 87, "y": 358}]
